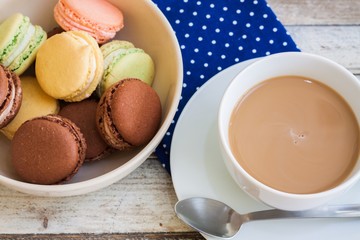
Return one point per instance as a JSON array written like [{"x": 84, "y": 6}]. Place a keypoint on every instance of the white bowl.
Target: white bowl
[
  {"x": 286, "y": 64},
  {"x": 147, "y": 28}
]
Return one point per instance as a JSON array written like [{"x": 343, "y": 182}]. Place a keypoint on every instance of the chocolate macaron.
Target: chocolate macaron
[
  {"x": 10, "y": 95},
  {"x": 83, "y": 115},
  {"x": 47, "y": 150},
  {"x": 129, "y": 114}
]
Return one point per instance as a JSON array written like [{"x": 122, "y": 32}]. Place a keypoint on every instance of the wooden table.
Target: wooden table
[{"x": 141, "y": 205}]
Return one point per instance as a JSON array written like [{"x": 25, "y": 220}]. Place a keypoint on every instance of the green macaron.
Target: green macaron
[
  {"x": 123, "y": 60},
  {"x": 19, "y": 42}
]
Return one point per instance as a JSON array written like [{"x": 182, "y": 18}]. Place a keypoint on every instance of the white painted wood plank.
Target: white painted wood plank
[
  {"x": 339, "y": 43},
  {"x": 141, "y": 202},
  {"x": 317, "y": 12}
]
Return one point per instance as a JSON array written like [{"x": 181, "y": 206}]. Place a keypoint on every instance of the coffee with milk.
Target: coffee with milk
[{"x": 295, "y": 135}]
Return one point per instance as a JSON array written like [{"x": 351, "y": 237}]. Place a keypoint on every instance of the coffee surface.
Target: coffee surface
[{"x": 295, "y": 135}]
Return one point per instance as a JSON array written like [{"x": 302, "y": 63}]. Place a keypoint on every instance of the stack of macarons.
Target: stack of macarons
[{"x": 52, "y": 116}]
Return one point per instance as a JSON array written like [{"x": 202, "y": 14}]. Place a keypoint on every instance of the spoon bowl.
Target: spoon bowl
[
  {"x": 216, "y": 219},
  {"x": 209, "y": 216}
]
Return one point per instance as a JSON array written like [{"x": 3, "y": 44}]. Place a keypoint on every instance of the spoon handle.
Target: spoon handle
[{"x": 331, "y": 211}]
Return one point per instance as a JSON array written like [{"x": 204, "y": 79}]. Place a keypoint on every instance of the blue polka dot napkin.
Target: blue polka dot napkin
[{"x": 215, "y": 34}]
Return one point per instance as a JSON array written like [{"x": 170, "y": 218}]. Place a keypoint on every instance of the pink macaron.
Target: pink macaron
[{"x": 99, "y": 18}]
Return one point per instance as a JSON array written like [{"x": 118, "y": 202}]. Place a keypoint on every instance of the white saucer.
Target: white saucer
[{"x": 198, "y": 170}]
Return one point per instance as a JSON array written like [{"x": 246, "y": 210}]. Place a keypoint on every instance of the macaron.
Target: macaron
[
  {"x": 47, "y": 150},
  {"x": 99, "y": 18},
  {"x": 83, "y": 115},
  {"x": 69, "y": 66},
  {"x": 35, "y": 103},
  {"x": 128, "y": 114},
  {"x": 19, "y": 42},
  {"x": 123, "y": 60},
  {"x": 10, "y": 96}
]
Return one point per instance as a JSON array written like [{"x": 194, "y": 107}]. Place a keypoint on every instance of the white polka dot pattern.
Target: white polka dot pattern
[{"x": 214, "y": 35}]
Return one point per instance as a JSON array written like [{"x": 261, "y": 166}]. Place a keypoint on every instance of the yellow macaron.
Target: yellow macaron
[
  {"x": 35, "y": 103},
  {"x": 69, "y": 66}
]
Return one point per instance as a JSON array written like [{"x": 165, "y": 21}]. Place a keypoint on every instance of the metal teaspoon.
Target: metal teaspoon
[{"x": 216, "y": 219}]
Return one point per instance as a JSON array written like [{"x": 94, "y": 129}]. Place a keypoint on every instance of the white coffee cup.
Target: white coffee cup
[{"x": 286, "y": 64}]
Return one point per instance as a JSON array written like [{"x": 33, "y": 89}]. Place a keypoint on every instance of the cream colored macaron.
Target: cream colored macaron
[{"x": 69, "y": 66}]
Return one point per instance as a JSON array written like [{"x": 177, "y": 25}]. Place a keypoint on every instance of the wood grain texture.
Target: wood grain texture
[
  {"x": 142, "y": 202},
  {"x": 317, "y": 12},
  {"x": 330, "y": 29},
  {"x": 140, "y": 206},
  {"x": 114, "y": 236},
  {"x": 339, "y": 43}
]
